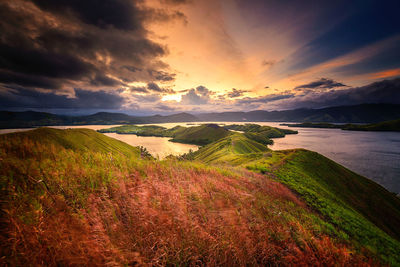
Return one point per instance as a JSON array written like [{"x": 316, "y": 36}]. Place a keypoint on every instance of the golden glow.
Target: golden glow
[{"x": 176, "y": 98}]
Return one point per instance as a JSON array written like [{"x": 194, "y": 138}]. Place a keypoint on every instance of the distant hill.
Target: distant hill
[
  {"x": 344, "y": 114},
  {"x": 385, "y": 126},
  {"x": 201, "y": 135},
  {"x": 27, "y": 119},
  {"x": 367, "y": 113}
]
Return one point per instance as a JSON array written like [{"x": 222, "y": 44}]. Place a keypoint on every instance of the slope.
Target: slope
[
  {"x": 67, "y": 199},
  {"x": 359, "y": 210}
]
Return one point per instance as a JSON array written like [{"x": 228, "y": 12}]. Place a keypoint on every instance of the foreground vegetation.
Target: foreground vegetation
[
  {"x": 77, "y": 197},
  {"x": 387, "y": 126},
  {"x": 356, "y": 208}
]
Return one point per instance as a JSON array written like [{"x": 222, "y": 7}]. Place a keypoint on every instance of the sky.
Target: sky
[{"x": 147, "y": 57}]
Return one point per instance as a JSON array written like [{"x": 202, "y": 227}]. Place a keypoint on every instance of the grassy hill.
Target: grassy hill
[
  {"x": 356, "y": 208},
  {"x": 197, "y": 135},
  {"x": 77, "y": 197},
  {"x": 200, "y": 135},
  {"x": 66, "y": 199}
]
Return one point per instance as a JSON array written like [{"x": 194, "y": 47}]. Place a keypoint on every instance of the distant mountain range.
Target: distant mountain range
[{"x": 367, "y": 113}]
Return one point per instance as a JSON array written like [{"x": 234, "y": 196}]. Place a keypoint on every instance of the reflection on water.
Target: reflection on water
[{"x": 375, "y": 155}]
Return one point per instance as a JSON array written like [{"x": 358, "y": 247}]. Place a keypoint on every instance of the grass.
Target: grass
[
  {"x": 355, "y": 208},
  {"x": 197, "y": 135},
  {"x": 76, "y": 197}
]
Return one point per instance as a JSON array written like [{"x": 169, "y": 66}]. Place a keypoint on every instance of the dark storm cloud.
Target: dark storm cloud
[
  {"x": 119, "y": 14},
  {"x": 322, "y": 83},
  {"x": 70, "y": 43},
  {"x": 102, "y": 80},
  {"x": 387, "y": 91},
  {"x": 84, "y": 99}
]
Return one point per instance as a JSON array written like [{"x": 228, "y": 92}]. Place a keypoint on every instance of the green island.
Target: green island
[
  {"x": 203, "y": 134},
  {"x": 78, "y": 197},
  {"x": 388, "y": 126}
]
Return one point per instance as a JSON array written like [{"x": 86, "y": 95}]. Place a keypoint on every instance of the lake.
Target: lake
[
  {"x": 375, "y": 155},
  {"x": 158, "y": 146}
]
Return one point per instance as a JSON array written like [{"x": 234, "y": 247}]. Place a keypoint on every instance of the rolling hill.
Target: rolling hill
[
  {"x": 77, "y": 197},
  {"x": 357, "y": 208}
]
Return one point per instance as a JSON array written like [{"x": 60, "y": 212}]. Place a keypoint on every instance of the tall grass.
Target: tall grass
[{"x": 68, "y": 206}]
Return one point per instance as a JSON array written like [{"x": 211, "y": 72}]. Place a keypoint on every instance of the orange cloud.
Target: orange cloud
[{"x": 384, "y": 74}]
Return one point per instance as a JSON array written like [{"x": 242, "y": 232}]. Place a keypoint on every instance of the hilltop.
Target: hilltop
[{"x": 77, "y": 197}]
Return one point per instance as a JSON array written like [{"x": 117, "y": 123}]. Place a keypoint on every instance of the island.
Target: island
[
  {"x": 203, "y": 134},
  {"x": 386, "y": 126}
]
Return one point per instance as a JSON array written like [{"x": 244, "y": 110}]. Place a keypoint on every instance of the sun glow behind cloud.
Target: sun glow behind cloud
[
  {"x": 193, "y": 55},
  {"x": 176, "y": 98}
]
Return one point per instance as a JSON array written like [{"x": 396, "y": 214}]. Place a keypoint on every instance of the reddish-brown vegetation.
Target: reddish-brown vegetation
[{"x": 65, "y": 207}]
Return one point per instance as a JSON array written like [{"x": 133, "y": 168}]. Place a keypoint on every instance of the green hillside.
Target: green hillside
[
  {"x": 358, "y": 209},
  {"x": 77, "y": 197},
  {"x": 266, "y": 131},
  {"x": 197, "y": 135},
  {"x": 200, "y": 135},
  {"x": 233, "y": 148},
  {"x": 75, "y": 139}
]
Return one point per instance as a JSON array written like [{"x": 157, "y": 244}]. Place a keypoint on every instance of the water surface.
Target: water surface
[{"x": 375, "y": 155}]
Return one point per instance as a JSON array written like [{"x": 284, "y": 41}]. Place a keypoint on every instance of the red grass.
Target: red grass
[{"x": 153, "y": 213}]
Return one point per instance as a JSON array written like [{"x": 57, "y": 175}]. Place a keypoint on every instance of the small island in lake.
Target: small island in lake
[
  {"x": 203, "y": 134},
  {"x": 387, "y": 126}
]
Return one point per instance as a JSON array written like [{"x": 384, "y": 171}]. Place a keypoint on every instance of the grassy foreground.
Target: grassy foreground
[
  {"x": 77, "y": 197},
  {"x": 355, "y": 208}
]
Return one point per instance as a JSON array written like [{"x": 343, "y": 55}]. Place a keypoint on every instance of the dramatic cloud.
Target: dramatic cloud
[
  {"x": 25, "y": 98},
  {"x": 71, "y": 43},
  {"x": 387, "y": 91},
  {"x": 198, "y": 96},
  {"x": 320, "y": 84},
  {"x": 155, "y": 88},
  {"x": 236, "y": 93}
]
